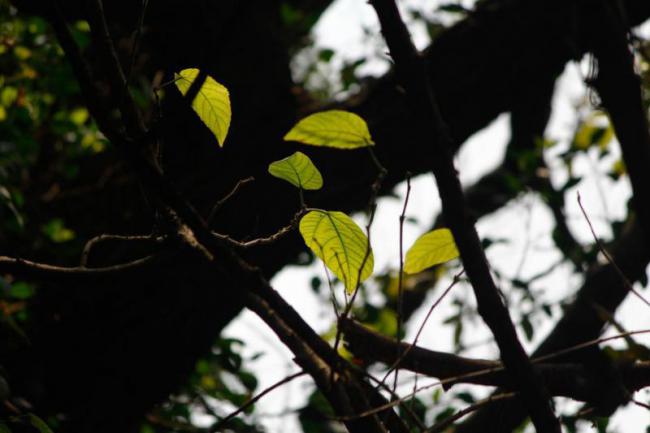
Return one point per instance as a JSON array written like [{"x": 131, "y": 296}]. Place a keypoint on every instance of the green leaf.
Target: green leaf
[
  {"x": 57, "y": 231},
  {"x": 21, "y": 290},
  {"x": 212, "y": 102},
  {"x": 334, "y": 128},
  {"x": 39, "y": 424},
  {"x": 430, "y": 249},
  {"x": 298, "y": 170},
  {"x": 337, "y": 240}
]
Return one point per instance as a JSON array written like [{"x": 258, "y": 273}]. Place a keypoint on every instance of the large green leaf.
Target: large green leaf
[
  {"x": 334, "y": 128},
  {"x": 298, "y": 170},
  {"x": 432, "y": 248},
  {"x": 340, "y": 243},
  {"x": 212, "y": 102}
]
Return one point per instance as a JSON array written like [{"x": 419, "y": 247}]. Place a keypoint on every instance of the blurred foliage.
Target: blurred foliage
[
  {"x": 44, "y": 126},
  {"x": 220, "y": 383}
]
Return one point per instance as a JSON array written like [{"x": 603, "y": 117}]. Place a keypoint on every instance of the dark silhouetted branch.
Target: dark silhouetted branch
[{"x": 413, "y": 76}]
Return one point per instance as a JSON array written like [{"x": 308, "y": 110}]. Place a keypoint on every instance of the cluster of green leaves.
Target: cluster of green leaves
[
  {"x": 45, "y": 129},
  {"x": 332, "y": 236}
]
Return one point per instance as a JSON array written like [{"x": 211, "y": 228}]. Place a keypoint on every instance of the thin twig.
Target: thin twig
[
  {"x": 400, "y": 278},
  {"x": 408, "y": 408},
  {"x": 266, "y": 240},
  {"x": 136, "y": 44},
  {"x": 424, "y": 322},
  {"x": 85, "y": 254},
  {"x": 215, "y": 209},
  {"x": 29, "y": 268},
  {"x": 222, "y": 423},
  {"x": 588, "y": 344},
  {"x": 442, "y": 425},
  {"x": 609, "y": 258}
]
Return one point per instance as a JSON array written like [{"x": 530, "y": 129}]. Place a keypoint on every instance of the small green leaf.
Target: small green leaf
[
  {"x": 39, "y": 424},
  {"x": 337, "y": 240},
  {"x": 334, "y": 128},
  {"x": 430, "y": 249},
  {"x": 57, "y": 231},
  {"x": 212, "y": 102},
  {"x": 21, "y": 290},
  {"x": 298, "y": 170}
]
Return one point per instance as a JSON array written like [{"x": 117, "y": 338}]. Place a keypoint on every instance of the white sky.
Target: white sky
[{"x": 342, "y": 28}]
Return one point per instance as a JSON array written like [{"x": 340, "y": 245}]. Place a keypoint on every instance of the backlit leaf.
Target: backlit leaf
[
  {"x": 298, "y": 170},
  {"x": 212, "y": 102},
  {"x": 334, "y": 128},
  {"x": 430, "y": 249},
  {"x": 337, "y": 240}
]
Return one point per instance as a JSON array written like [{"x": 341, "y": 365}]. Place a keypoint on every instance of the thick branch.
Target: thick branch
[
  {"x": 192, "y": 232},
  {"x": 567, "y": 380},
  {"x": 620, "y": 90},
  {"x": 423, "y": 106}
]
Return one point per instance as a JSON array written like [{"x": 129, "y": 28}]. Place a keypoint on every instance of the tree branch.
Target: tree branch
[
  {"x": 423, "y": 107},
  {"x": 564, "y": 379},
  {"x": 41, "y": 271}
]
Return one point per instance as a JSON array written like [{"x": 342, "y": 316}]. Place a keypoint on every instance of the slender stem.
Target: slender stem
[
  {"x": 218, "y": 426},
  {"x": 405, "y": 353},
  {"x": 85, "y": 254},
  {"x": 217, "y": 207},
  {"x": 442, "y": 425},
  {"x": 400, "y": 281},
  {"x": 609, "y": 258}
]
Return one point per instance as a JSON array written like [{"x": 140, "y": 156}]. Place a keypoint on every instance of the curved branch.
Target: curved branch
[{"x": 41, "y": 271}]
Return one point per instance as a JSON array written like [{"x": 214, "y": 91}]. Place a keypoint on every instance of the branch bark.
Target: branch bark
[
  {"x": 562, "y": 379},
  {"x": 424, "y": 108}
]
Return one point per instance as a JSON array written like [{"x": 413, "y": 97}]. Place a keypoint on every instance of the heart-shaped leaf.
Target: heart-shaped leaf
[
  {"x": 432, "y": 248},
  {"x": 334, "y": 128},
  {"x": 298, "y": 170},
  {"x": 337, "y": 240},
  {"x": 211, "y": 104}
]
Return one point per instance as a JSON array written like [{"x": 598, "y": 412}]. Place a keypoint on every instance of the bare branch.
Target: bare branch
[
  {"x": 85, "y": 254},
  {"x": 218, "y": 426},
  {"x": 442, "y": 425},
  {"x": 609, "y": 258},
  {"x": 413, "y": 76},
  {"x": 42, "y": 271},
  {"x": 217, "y": 207}
]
